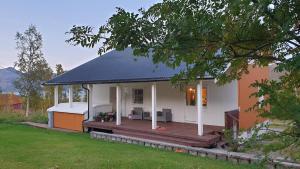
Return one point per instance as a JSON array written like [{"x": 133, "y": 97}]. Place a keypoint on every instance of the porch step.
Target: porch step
[
  {"x": 207, "y": 137},
  {"x": 222, "y": 144},
  {"x": 172, "y": 133},
  {"x": 188, "y": 142}
]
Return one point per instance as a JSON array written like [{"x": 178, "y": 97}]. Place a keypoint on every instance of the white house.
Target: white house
[{"x": 120, "y": 82}]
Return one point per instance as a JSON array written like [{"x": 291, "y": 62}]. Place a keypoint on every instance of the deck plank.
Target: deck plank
[{"x": 170, "y": 132}]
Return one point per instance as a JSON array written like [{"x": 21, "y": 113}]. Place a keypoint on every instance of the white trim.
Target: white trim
[
  {"x": 70, "y": 95},
  {"x": 55, "y": 95},
  {"x": 77, "y": 108},
  {"x": 118, "y": 105},
  {"x": 153, "y": 106},
  {"x": 199, "y": 109}
]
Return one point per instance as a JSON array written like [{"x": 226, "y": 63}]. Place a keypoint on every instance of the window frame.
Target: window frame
[
  {"x": 205, "y": 104},
  {"x": 188, "y": 101},
  {"x": 194, "y": 102},
  {"x": 137, "y": 98}
]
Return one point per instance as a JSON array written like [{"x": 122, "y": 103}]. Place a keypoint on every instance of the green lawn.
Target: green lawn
[{"x": 26, "y": 147}]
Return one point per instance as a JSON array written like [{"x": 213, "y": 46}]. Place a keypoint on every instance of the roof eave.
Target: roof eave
[{"x": 117, "y": 81}]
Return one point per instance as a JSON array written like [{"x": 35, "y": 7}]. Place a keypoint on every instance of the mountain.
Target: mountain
[{"x": 7, "y": 78}]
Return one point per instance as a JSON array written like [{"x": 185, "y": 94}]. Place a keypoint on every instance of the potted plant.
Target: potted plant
[
  {"x": 102, "y": 116},
  {"x": 97, "y": 118},
  {"x": 111, "y": 116}
]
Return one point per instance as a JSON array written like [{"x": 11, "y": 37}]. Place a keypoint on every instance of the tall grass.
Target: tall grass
[
  {"x": 39, "y": 117},
  {"x": 10, "y": 116}
]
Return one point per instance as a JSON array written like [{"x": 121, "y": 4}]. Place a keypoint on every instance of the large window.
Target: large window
[
  {"x": 137, "y": 96},
  {"x": 191, "y": 96},
  {"x": 204, "y": 96}
]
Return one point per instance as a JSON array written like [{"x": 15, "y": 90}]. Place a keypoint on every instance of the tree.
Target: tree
[
  {"x": 59, "y": 69},
  {"x": 216, "y": 37},
  {"x": 32, "y": 66},
  {"x": 207, "y": 35},
  {"x": 76, "y": 93},
  {"x": 48, "y": 94}
]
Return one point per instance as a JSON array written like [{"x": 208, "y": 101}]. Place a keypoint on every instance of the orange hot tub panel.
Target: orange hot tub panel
[{"x": 69, "y": 121}]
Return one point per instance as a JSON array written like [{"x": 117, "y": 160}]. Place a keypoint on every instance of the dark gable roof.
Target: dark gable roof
[{"x": 117, "y": 67}]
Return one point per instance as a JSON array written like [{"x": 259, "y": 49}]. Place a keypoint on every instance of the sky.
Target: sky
[{"x": 53, "y": 18}]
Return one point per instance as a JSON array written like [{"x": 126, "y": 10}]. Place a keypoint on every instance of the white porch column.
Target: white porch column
[
  {"x": 118, "y": 105},
  {"x": 90, "y": 102},
  {"x": 199, "y": 109},
  {"x": 55, "y": 95},
  {"x": 154, "y": 114},
  {"x": 71, "y": 95}
]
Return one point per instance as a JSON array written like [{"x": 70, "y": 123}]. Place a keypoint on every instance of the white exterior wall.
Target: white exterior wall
[
  {"x": 100, "y": 94},
  {"x": 219, "y": 100}
]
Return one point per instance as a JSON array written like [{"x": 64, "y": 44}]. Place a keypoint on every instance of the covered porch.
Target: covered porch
[
  {"x": 137, "y": 99},
  {"x": 120, "y": 83},
  {"x": 196, "y": 120},
  {"x": 151, "y": 98},
  {"x": 173, "y": 132}
]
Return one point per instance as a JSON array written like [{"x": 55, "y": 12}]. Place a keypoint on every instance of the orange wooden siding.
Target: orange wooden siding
[
  {"x": 248, "y": 119},
  {"x": 68, "y": 121}
]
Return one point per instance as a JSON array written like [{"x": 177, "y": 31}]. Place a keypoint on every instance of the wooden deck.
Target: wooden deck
[{"x": 173, "y": 132}]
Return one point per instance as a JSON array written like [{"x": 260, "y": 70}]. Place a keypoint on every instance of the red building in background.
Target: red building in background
[{"x": 10, "y": 101}]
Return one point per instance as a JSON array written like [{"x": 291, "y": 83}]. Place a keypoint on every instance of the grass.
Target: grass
[
  {"x": 9, "y": 116},
  {"x": 39, "y": 117},
  {"x": 26, "y": 147}
]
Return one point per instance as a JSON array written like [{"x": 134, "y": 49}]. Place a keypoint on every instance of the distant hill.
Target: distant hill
[{"x": 7, "y": 78}]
